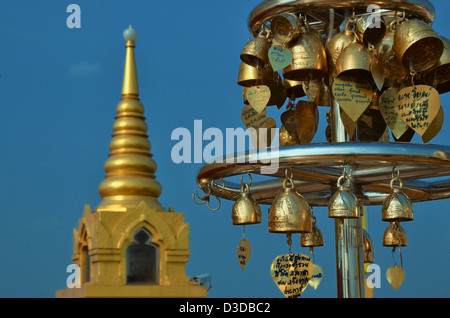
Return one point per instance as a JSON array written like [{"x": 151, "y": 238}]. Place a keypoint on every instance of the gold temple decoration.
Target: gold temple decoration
[
  {"x": 130, "y": 169},
  {"x": 377, "y": 75},
  {"x": 130, "y": 222}
]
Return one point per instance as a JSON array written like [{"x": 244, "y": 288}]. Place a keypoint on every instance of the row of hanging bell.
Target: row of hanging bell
[
  {"x": 246, "y": 209},
  {"x": 369, "y": 251},
  {"x": 344, "y": 204},
  {"x": 309, "y": 59},
  {"x": 312, "y": 239},
  {"x": 397, "y": 207},
  {"x": 350, "y": 52},
  {"x": 439, "y": 76},
  {"x": 290, "y": 212}
]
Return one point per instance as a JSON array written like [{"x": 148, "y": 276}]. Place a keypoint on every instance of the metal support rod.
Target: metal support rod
[{"x": 348, "y": 234}]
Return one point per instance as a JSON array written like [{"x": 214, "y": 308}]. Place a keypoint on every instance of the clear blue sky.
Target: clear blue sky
[{"x": 58, "y": 91}]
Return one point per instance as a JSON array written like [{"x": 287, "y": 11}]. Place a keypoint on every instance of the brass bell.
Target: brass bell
[
  {"x": 249, "y": 76},
  {"x": 309, "y": 58},
  {"x": 284, "y": 28},
  {"x": 417, "y": 45},
  {"x": 395, "y": 235},
  {"x": 312, "y": 239},
  {"x": 294, "y": 89},
  {"x": 343, "y": 203},
  {"x": 441, "y": 73},
  {"x": 255, "y": 52},
  {"x": 369, "y": 252},
  {"x": 393, "y": 68},
  {"x": 355, "y": 59},
  {"x": 289, "y": 213},
  {"x": 370, "y": 30},
  {"x": 397, "y": 206},
  {"x": 335, "y": 47},
  {"x": 245, "y": 210}
]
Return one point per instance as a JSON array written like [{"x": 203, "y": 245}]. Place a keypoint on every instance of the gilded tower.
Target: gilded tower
[{"x": 130, "y": 246}]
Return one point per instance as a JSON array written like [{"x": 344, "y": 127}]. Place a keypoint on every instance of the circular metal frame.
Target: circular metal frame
[
  {"x": 316, "y": 168},
  {"x": 318, "y": 11}
]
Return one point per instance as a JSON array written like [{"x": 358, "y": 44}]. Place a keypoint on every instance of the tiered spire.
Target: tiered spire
[{"x": 130, "y": 169}]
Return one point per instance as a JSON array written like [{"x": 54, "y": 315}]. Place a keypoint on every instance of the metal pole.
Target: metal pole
[{"x": 348, "y": 234}]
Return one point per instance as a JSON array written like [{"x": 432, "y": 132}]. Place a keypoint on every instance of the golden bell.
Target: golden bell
[
  {"x": 441, "y": 73},
  {"x": 249, "y": 76},
  {"x": 393, "y": 68},
  {"x": 255, "y": 52},
  {"x": 335, "y": 47},
  {"x": 309, "y": 58},
  {"x": 369, "y": 30},
  {"x": 343, "y": 203},
  {"x": 245, "y": 210},
  {"x": 417, "y": 45},
  {"x": 294, "y": 89},
  {"x": 369, "y": 252},
  {"x": 284, "y": 28},
  {"x": 289, "y": 213},
  {"x": 395, "y": 235},
  {"x": 356, "y": 60},
  {"x": 397, "y": 206},
  {"x": 312, "y": 239}
]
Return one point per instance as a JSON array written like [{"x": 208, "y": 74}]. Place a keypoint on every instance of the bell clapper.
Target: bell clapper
[
  {"x": 400, "y": 253},
  {"x": 289, "y": 241},
  {"x": 311, "y": 251}
]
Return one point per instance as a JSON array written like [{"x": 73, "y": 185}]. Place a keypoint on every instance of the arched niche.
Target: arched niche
[{"x": 142, "y": 259}]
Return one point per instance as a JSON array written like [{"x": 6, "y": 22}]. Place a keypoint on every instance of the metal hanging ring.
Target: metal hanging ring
[
  {"x": 245, "y": 188},
  {"x": 218, "y": 206},
  {"x": 221, "y": 188},
  {"x": 339, "y": 182},
  {"x": 400, "y": 184},
  {"x": 251, "y": 180},
  {"x": 286, "y": 181},
  {"x": 203, "y": 199}
]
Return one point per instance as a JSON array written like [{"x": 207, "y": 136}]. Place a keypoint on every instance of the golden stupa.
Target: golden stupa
[{"x": 130, "y": 246}]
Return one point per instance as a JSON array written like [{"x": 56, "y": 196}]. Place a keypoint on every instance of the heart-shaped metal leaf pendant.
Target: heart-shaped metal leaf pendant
[
  {"x": 291, "y": 273},
  {"x": 418, "y": 106},
  {"x": 388, "y": 110},
  {"x": 258, "y": 97},
  {"x": 395, "y": 276},
  {"x": 243, "y": 251},
  {"x": 279, "y": 57},
  {"x": 252, "y": 119},
  {"x": 353, "y": 95},
  {"x": 316, "y": 276}
]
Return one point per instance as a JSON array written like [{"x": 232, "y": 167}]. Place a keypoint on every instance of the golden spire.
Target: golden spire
[{"x": 130, "y": 168}]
